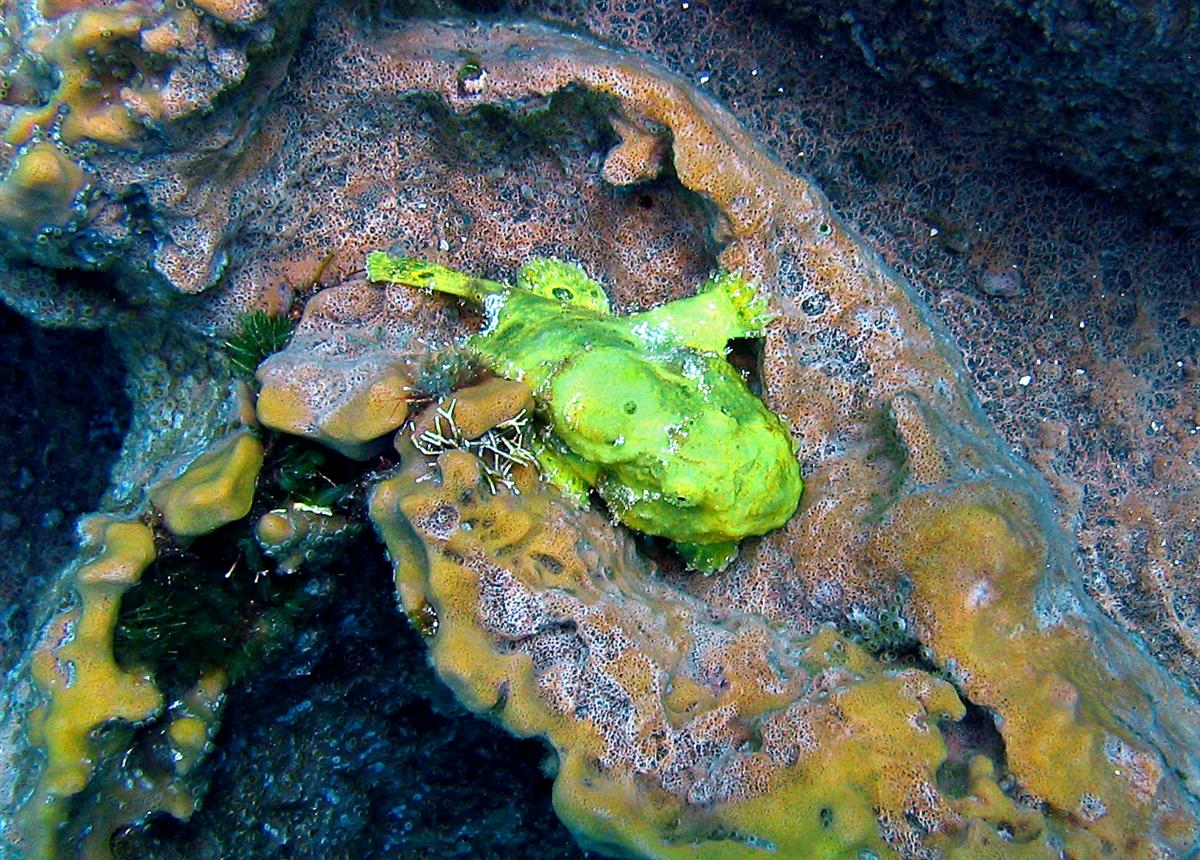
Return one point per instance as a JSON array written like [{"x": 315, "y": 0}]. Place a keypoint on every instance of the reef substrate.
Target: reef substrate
[{"x": 911, "y": 665}]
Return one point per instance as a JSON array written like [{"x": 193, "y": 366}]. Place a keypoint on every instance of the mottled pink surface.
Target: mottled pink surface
[{"x": 1089, "y": 371}]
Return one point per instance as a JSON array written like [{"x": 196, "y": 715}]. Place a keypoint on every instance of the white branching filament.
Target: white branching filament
[{"x": 499, "y": 450}]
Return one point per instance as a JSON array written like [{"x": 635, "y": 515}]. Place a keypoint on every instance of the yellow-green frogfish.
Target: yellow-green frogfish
[{"x": 645, "y": 409}]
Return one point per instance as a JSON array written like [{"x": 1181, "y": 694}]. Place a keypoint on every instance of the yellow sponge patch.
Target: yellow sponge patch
[
  {"x": 40, "y": 189},
  {"x": 75, "y": 665},
  {"x": 216, "y": 489}
]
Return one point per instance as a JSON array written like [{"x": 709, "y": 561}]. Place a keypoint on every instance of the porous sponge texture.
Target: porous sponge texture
[
  {"x": 98, "y": 97},
  {"x": 650, "y": 742},
  {"x": 880, "y": 412},
  {"x": 345, "y": 378},
  {"x": 848, "y": 344},
  {"x": 679, "y": 732},
  {"x": 975, "y": 559},
  {"x": 363, "y": 417}
]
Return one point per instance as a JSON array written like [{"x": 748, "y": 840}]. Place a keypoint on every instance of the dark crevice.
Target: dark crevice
[
  {"x": 747, "y": 355},
  {"x": 975, "y": 734},
  {"x": 889, "y": 636},
  {"x": 220, "y": 601},
  {"x": 343, "y": 743},
  {"x": 63, "y": 417}
]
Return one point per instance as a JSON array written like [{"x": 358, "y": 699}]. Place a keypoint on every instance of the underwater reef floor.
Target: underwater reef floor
[{"x": 928, "y": 579}]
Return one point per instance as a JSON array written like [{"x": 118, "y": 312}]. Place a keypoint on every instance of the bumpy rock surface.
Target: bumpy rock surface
[
  {"x": 346, "y": 376},
  {"x": 911, "y": 494},
  {"x": 1099, "y": 88},
  {"x": 105, "y": 160}
]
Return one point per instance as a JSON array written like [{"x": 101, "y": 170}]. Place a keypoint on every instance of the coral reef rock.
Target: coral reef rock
[
  {"x": 910, "y": 666},
  {"x": 1098, "y": 88},
  {"x": 122, "y": 126},
  {"x": 911, "y": 498}
]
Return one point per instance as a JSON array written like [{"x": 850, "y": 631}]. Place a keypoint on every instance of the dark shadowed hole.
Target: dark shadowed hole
[
  {"x": 346, "y": 745},
  {"x": 745, "y": 354},
  {"x": 975, "y": 734}
]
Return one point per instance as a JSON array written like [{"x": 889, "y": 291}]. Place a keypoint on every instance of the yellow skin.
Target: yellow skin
[{"x": 645, "y": 409}]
